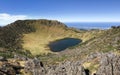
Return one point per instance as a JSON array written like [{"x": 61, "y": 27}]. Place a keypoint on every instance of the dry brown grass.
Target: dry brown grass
[{"x": 36, "y": 42}]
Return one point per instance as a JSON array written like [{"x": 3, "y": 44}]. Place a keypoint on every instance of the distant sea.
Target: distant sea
[{"x": 92, "y": 25}]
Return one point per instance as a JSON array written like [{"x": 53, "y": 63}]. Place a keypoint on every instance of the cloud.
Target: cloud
[{"x": 6, "y": 18}]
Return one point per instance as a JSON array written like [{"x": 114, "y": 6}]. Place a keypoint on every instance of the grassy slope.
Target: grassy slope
[
  {"x": 35, "y": 35},
  {"x": 107, "y": 40},
  {"x": 37, "y": 41}
]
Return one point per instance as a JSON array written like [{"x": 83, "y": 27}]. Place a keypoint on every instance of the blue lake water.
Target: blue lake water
[
  {"x": 92, "y": 25},
  {"x": 62, "y": 44}
]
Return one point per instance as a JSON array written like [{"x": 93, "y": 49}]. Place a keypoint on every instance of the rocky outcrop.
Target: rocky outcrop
[
  {"x": 109, "y": 65},
  {"x": 7, "y": 68},
  {"x": 67, "y": 68},
  {"x": 35, "y": 67},
  {"x": 2, "y": 58}
]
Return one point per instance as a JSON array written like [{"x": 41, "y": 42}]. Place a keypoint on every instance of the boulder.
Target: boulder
[{"x": 109, "y": 65}]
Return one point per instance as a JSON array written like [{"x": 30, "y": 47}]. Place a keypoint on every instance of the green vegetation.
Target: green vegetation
[
  {"x": 106, "y": 41},
  {"x": 10, "y": 35},
  {"x": 35, "y": 35},
  {"x": 31, "y": 37}
]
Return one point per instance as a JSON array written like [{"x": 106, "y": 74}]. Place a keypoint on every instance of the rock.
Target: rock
[
  {"x": 9, "y": 68},
  {"x": 35, "y": 66},
  {"x": 109, "y": 65},
  {"x": 6, "y": 69},
  {"x": 67, "y": 68},
  {"x": 2, "y": 58},
  {"x": 19, "y": 57}
]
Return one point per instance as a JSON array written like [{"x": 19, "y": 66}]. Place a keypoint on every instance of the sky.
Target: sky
[{"x": 61, "y": 10}]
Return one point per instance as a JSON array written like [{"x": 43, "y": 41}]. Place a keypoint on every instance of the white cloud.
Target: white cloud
[{"x": 8, "y": 18}]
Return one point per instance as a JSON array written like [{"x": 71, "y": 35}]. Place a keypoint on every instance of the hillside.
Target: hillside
[
  {"x": 35, "y": 35},
  {"x": 104, "y": 41},
  {"x": 24, "y": 40},
  {"x": 90, "y": 52}
]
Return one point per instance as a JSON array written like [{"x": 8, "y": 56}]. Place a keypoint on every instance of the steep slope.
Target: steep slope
[
  {"x": 46, "y": 31},
  {"x": 24, "y": 37},
  {"x": 90, "y": 51},
  {"x": 104, "y": 41},
  {"x": 107, "y": 41},
  {"x": 31, "y": 34},
  {"x": 35, "y": 35}
]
